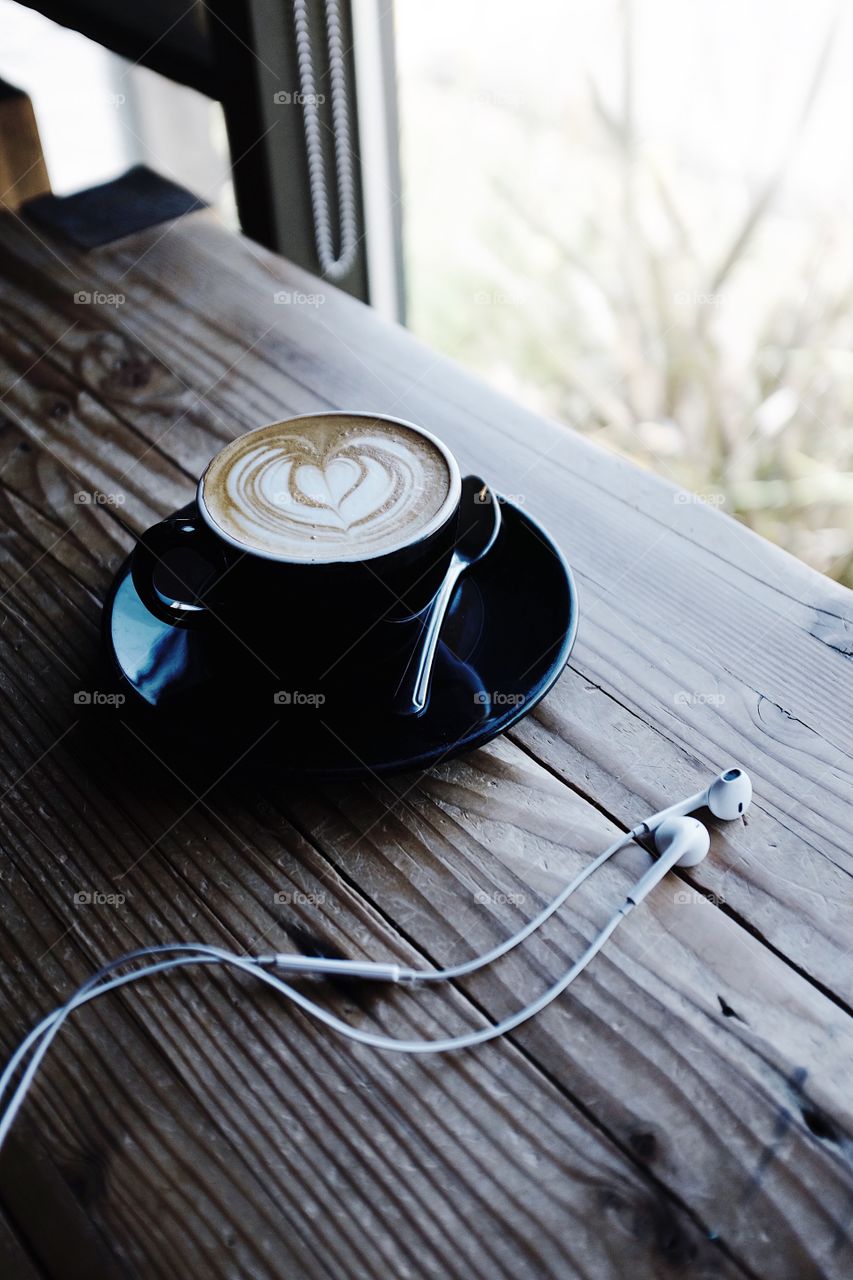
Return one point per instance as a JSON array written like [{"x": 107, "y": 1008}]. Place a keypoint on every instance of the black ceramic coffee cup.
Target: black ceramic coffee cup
[{"x": 302, "y": 620}]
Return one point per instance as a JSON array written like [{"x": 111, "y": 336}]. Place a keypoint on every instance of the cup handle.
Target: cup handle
[{"x": 185, "y": 529}]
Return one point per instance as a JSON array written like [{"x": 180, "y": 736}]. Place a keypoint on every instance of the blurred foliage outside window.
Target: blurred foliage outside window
[{"x": 636, "y": 218}]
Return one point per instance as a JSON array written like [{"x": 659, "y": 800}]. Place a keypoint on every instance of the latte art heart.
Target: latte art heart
[{"x": 327, "y": 488}]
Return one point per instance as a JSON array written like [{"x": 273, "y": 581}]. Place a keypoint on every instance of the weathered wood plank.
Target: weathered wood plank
[
  {"x": 499, "y": 823},
  {"x": 707, "y": 613},
  {"x": 714, "y": 1079},
  {"x": 14, "y": 1261},
  {"x": 34, "y": 1193},
  {"x": 140, "y": 1095}
]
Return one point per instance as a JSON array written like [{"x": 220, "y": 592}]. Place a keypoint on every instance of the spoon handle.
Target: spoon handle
[{"x": 413, "y": 690}]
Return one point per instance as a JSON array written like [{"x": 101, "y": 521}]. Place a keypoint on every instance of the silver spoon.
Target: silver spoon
[{"x": 479, "y": 525}]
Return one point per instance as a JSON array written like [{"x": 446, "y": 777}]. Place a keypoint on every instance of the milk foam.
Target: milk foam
[{"x": 327, "y": 488}]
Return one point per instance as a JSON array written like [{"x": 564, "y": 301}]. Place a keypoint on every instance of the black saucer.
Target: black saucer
[{"x": 506, "y": 639}]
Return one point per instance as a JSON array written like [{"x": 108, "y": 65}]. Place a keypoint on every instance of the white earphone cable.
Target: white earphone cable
[
  {"x": 479, "y": 962},
  {"x": 50, "y": 1026},
  {"x": 200, "y": 953},
  {"x": 679, "y": 840}
]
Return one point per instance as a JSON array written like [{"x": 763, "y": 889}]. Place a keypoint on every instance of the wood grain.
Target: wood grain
[
  {"x": 300, "y": 1139},
  {"x": 687, "y": 1109},
  {"x": 13, "y": 1257},
  {"x": 707, "y": 611}
]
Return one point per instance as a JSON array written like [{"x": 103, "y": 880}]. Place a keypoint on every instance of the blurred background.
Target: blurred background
[{"x": 631, "y": 216}]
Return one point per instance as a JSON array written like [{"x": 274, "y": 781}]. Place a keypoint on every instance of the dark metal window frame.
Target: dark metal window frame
[{"x": 243, "y": 52}]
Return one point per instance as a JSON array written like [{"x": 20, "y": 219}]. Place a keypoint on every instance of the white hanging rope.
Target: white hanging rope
[{"x": 335, "y": 267}]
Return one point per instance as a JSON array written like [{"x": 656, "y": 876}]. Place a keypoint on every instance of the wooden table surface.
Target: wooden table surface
[{"x": 684, "y": 1111}]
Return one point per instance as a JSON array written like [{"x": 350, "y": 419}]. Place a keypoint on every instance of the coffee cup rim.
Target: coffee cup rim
[{"x": 443, "y": 514}]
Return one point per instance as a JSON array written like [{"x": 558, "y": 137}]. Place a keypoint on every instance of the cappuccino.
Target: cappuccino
[{"x": 329, "y": 488}]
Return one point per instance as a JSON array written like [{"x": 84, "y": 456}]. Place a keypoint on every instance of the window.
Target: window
[
  {"x": 98, "y": 114},
  {"x": 635, "y": 218}
]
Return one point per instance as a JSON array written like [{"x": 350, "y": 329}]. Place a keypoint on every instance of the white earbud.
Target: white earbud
[
  {"x": 728, "y": 797},
  {"x": 681, "y": 842}
]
